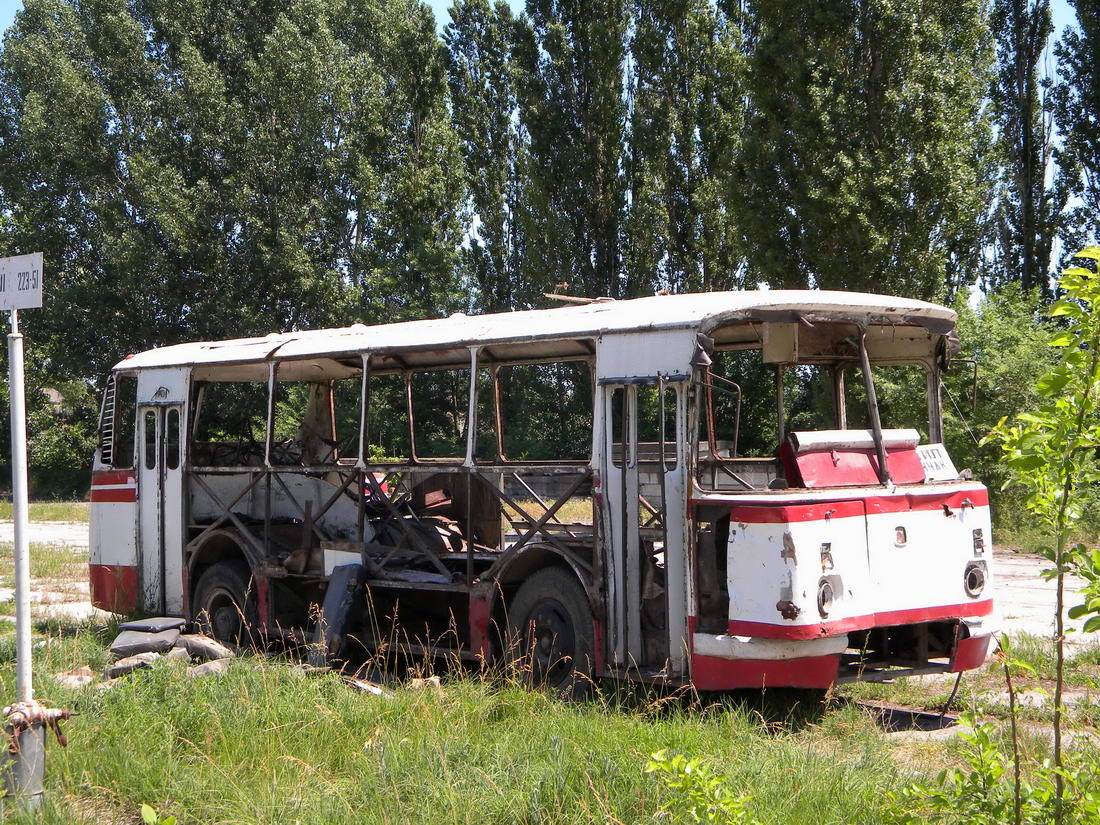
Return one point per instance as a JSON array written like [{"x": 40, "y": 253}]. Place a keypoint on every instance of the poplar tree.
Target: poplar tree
[
  {"x": 865, "y": 154},
  {"x": 1028, "y": 211},
  {"x": 686, "y": 119},
  {"x": 1076, "y": 103},
  {"x": 483, "y": 109},
  {"x": 569, "y": 58},
  {"x": 208, "y": 170}
]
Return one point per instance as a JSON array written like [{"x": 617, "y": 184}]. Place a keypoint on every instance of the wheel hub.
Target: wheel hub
[
  {"x": 553, "y": 642},
  {"x": 224, "y": 618}
]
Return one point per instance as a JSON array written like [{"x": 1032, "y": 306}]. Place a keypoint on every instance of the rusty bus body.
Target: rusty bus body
[{"x": 841, "y": 554}]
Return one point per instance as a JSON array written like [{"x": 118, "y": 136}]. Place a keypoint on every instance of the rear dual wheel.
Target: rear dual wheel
[
  {"x": 225, "y": 604},
  {"x": 553, "y": 639}
]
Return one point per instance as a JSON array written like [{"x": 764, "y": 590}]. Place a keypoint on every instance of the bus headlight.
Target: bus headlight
[
  {"x": 974, "y": 579},
  {"x": 825, "y": 597}
]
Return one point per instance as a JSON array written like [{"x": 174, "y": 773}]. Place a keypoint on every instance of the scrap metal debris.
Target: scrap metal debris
[{"x": 24, "y": 715}]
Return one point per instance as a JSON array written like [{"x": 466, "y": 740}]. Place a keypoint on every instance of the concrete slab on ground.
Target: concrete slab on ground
[
  {"x": 1025, "y": 601},
  {"x": 49, "y": 532}
]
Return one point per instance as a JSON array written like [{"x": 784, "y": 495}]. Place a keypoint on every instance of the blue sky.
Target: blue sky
[{"x": 1063, "y": 16}]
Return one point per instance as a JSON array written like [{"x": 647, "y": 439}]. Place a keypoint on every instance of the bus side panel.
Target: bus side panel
[{"x": 113, "y": 570}]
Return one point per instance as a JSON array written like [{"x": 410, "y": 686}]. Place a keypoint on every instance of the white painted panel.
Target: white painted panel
[
  {"x": 875, "y": 573},
  {"x": 620, "y": 492},
  {"x": 676, "y": 555},
  {"x": 149, "y": 509},
  {"x": 929, "y": 568},
  {"x": 339, "y": 522},
  {"x": 747, "y": 647},
  {"x": 160, "y": 489},
  {"x": 173, "y": 511},
  {"x": 772, "y": 563},
  {"x": 112, "y": 533},
  {"x": 644, "y": 354}
]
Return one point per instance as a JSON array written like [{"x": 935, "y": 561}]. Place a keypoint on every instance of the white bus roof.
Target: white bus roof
[{"x": 522, "y": 331}]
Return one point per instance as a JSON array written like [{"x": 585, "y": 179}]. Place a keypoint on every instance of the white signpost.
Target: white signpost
[
  {"x": 21, "y": 282},
  {"x": 21, "y": 288}
]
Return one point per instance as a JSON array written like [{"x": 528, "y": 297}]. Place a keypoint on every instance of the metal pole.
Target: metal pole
[
  {"x": 19, "y": 505},
  {"x": 872, "y": 408},
  {"x": 26, "y": 767}
]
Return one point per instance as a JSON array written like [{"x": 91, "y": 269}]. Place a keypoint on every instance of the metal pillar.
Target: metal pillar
[
  {"x": 24, "y": 769},
  {"x": 19, "y": 505}
]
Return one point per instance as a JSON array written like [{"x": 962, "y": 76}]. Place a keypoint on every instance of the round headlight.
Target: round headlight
[
  {"x": 824, "y": 597},
  {"x": 974, "y": 580}
]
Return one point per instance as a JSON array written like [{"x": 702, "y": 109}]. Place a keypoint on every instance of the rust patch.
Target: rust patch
[
  {"x": 788, "y": 547},
  {"x": 787, "y": 609}
]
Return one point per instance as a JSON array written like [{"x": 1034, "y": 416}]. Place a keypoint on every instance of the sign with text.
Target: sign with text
[
  {"x": 937, "y": 464},
  {"x": 21, "y": 281}
]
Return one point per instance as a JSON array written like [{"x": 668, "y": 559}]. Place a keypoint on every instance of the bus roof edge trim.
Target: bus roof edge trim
[{"x": 700, "y": 312}]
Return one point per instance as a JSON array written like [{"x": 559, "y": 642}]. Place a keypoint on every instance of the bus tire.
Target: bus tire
[
  {"x": 552, "y": 638},
  {"x": 225, "y": 602}
]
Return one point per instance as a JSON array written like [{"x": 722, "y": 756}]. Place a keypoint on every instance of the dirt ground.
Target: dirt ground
[{"x": 1025, "y": 602}]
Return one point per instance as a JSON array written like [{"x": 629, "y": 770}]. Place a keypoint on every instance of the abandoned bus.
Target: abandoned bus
[{"x": 733, "y": 489}]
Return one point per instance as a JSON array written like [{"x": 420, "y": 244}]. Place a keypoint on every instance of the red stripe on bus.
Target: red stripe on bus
[
  {"x": 785, "y": 512},
  {"x": 113, "y": 477},
  {"x": 766, "y": 630},
  {"x": 123, "y": 494},
  {"x": 114, "y": 587},
  {"x": 715, "y": 673}
]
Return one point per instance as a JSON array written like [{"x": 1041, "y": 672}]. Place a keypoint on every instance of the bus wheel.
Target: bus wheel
[
  {"x": 551, "y": 624},
  {"x": 225, "y": 602}
]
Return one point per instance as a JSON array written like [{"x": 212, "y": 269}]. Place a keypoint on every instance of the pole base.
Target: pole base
[{"x": 23, "y": 771}]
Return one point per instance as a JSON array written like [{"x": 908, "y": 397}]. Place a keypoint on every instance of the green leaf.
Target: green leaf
[
  {"x": 1063, "y": 339},
  {"x": 1078, "y": 610},
  {"x": 148, "y": 815},
  {"x": 1053, "y": 383},
  {"x": 1031, "y": 418},
  {"x": 1032, "y": 438},
  {"x": 1060, "y": 308},
  {"x": 1029, "y": 461},
  {"x": 1092, "y": 624}
]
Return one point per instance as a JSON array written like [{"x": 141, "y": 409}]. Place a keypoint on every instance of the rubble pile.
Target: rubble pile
[{"x": 141, "y": 644}]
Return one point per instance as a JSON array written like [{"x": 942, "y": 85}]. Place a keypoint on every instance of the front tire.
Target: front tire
[
  {"x": 553, "y": 638},
  {"x": 225, "y": 602}
]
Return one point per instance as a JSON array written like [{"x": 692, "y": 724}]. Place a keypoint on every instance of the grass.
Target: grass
[
  {"x": 574, "y": 511},
  {"x": 984, "y": 689},
  {"x": 1039, "y": 655},
  {"x": 1032, "y": 539},
  {"x": 50, "y": 510},
  {"x": 50, "y": 562},
  {"x": 268, "y": 744}
]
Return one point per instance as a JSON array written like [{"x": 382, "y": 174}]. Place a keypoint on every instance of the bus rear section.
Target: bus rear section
[
  {"x": 842, "y": 584},
  {"x": 845, "y": 555}
]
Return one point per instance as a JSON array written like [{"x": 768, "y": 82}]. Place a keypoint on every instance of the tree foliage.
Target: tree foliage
[
  {"x": 687, "y": 114},
  {"x": 1007, "y": 336},
  {"x": 864, "y": 164},
  {"x": 569, "y": 61},
  {"x": 196, "y": 170},
  {"x": 483, "y": 106},
  {"x": 1051, "y": 453},
  {"x": 1029, "y": 209},
  {"x": 1076, "y": 105}
]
